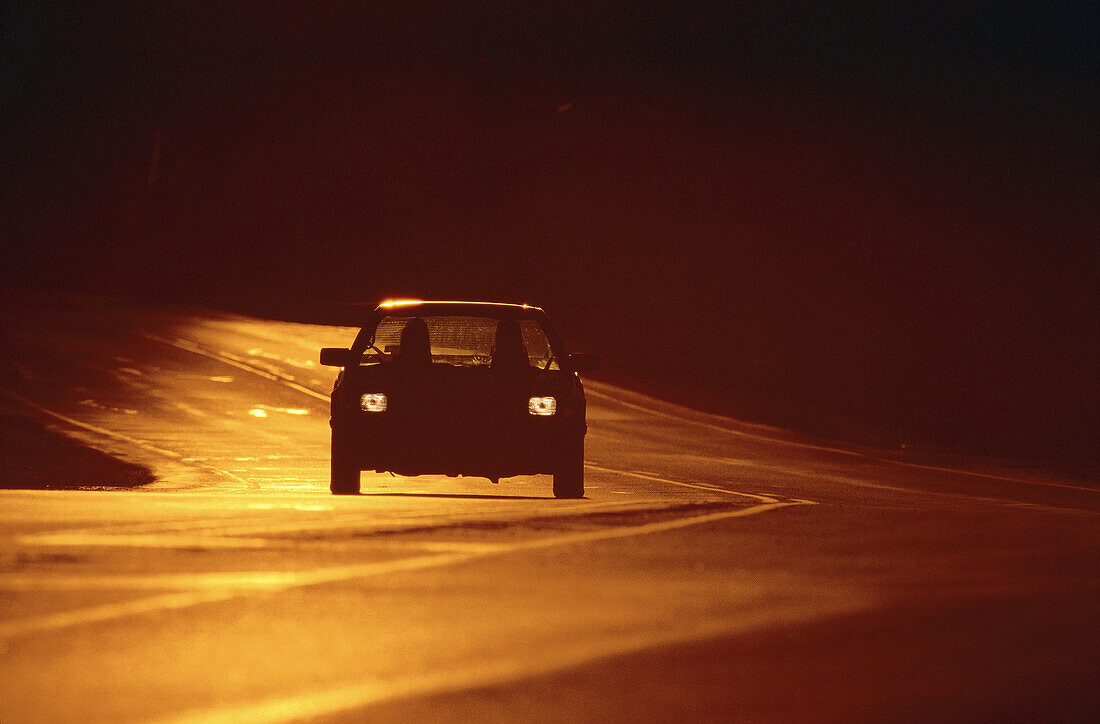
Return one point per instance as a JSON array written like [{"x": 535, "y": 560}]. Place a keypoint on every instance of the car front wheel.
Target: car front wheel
[
  {"x": 345, "y": 472},
  {"x": 569, "y": 477}
]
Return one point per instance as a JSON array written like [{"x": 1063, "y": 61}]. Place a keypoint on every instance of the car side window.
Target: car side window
[{"x": 538, "y": 345}]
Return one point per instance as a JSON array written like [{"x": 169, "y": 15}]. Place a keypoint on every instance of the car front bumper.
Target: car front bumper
[{"x": 458, "y": 445}]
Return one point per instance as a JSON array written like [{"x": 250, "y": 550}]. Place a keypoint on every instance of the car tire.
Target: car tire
[
  {"x": 569, "y": 477},
  {"x": 344, "y": 478}
]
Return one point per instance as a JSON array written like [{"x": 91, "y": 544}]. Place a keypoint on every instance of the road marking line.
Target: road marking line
[
  {"x": 990, "y": 476},
  {"x": 870, "y": 485},
  {"x": 234, "y": 361},
  {"x": 699, "y": 486},
  {"x": 226, "y": 586},
  {"x": 139, "y": 540},
  {"x": 827, "y": 448},
  {"x": 720, "y": 428},
  {"x": 447, "y": 546},
  {"x": 224, "y": 581},
  {"x": 174, "y": 456},
  {"x": 110, "y": 612}
]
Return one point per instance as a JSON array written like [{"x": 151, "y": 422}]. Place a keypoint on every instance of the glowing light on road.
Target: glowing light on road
[
  {"x": 542, "y": 406},
  {"x": 373, "y": 402},
  {"x": 263, "y": 410}
]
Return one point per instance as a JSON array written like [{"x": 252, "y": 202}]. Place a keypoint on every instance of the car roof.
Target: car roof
[
  {"x": 413, "y": 307},
  {"x": 419, "y": 307}
]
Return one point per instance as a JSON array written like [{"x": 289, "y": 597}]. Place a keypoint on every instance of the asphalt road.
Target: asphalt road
[{"x": 715, "y": 570}]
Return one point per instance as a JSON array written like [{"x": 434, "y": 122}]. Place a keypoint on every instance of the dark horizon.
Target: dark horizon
[{"x": 843, "y": 222}]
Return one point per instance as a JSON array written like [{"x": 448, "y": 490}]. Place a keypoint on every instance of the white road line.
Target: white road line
[
  {"x": 111, "y": 612},
  {"x": 226, "y": 586},
  {"x": 870, "y": 485},
  {"x": 720, "y": 428},
  {"x": 174, "y": 456},
  {"x": 990, "y": 476},
  {"x": 828, "y": 448},
  {"x": 237, "y": 581},
  {"x": 234, "y": 361},
  {"x": 699, "y": 486}
]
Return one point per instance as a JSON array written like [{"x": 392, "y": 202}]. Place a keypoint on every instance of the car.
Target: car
[{"x": 458, "y": 388}]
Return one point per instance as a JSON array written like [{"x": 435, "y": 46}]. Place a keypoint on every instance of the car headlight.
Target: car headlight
[
  {"x": 542, "y": 406},
  {"x": 373, "y": 402}
]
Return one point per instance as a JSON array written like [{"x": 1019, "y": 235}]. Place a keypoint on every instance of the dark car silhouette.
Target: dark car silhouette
[{"x": 458, "y": 388}]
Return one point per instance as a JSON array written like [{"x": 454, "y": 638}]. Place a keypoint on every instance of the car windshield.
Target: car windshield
[{"x": 465, "y": 341}]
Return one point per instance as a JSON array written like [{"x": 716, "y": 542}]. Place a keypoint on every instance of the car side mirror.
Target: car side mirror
[
  {"x": 335, "y": 357},
  {"x": 584, "y": 362}
]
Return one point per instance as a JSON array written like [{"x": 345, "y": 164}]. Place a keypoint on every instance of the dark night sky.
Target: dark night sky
[{"x": 882, "y": 217}]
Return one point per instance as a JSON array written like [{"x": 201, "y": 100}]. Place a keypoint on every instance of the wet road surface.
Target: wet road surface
[{"x": 715, "y": 570}]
